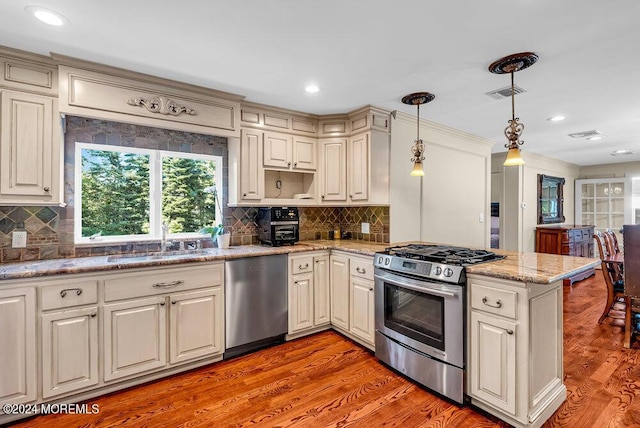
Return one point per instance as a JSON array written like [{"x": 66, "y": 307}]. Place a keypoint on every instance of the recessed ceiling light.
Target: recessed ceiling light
[
  {"x": 595, "y": 137},
  {"x": 621, "y": 152},
  {"x": 556, "y": 118},
  {"x": 47, "y": 16},
  {"x": 312, "y": 89}
]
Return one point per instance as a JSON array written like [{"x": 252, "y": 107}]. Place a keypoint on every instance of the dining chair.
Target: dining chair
[
  {"x": 612, "y": 279},
  {"x": 631, "y": 241},
  {"x": 614, "y": 241}
]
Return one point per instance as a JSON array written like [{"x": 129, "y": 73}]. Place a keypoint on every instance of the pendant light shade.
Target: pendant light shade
[
  {"x": 514, "y": 158},
  {"x": 511, "y": 64},
  {"x": 416, "y": 99}
]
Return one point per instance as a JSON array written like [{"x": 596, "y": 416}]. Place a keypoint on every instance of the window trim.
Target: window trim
[{"x": 155, "y": 192}]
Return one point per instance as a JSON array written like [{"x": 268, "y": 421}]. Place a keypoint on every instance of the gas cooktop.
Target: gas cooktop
[
  {"x": 456, "y": 256},
  {"x": 440, "y": 262}
]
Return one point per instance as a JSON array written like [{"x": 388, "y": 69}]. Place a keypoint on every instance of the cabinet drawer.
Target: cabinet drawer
[
  {"x": 69, "y": 293},
  {"x": 301, "y": 265},
  {"x": 362, "y": 268},
  {"x": 161, "y": 281},
  {"x": 494, "y": 300}
]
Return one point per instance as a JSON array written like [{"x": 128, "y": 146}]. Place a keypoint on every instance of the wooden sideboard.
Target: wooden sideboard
[{"x": 567, "y": 240}]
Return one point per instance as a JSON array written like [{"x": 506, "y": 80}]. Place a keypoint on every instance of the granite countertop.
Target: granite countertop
[
  {"x": 39, "y": 268},
  {"x": 533, "y": 267},
  {"x": 527, "y": 267}
]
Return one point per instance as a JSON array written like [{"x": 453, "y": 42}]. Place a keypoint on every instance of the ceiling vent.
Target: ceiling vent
[
  {"x": 585, "y": 134},
  {"x": 499, "y": 94}
]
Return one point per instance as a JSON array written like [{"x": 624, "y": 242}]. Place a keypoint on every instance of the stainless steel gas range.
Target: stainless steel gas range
[{"x": 420, "y": 311}]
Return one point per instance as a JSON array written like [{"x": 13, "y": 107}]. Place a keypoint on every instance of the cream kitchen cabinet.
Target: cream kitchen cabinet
[
  {"x": 30, "y": 149},
  {"x": 355, "y": 170},
  {"x": 251, "y": 187},
  {"x": 18, "y": 352},
  {"x": 69, "y": 336},
  {"x": 339, "y": 280},
  {"x": 352, "y": 297},
  {"x": 308, "y": 293},
  {"x": 136, "y": 330},
  {"x": 515, "y": 349},
  {"x": 333, "y": 170},
  {"x": 289, "y": 152},
  {"x": 135, "y": 334},
  {"x": 196, "y": 325},
  {"x": 358, "y": 161}
]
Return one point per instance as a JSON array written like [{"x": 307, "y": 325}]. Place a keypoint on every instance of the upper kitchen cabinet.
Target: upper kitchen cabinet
[
  {"x": 30, "y": 131},
  {"x": 99, "y": 91},
  {"x": 287, "y": 152},
  {"x": 348, "y": 165}
]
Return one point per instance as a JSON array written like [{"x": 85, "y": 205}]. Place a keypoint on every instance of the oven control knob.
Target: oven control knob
[
  {"x": 380, "y": 260},
  {"x": 387, "y": 261},
  {"x": 437, "y": 270},
  {"x": 448, "y": 272}
]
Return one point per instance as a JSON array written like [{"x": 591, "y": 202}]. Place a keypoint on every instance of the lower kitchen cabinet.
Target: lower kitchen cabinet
[
  {"x": 135, "y": 336},
  {"x": 514, "y": 362},
  {"x": 196, "y": 325},
  {"x": 339, "y": 279},
  {"x": 18, "y": 352},
  {"x": 493, "y": 341},
  {"x": 362, "y": 322},
  {"x": 308, "y": 293},
  {"x": 352, "y": 297},
  {"x": 69, "y": 351}
]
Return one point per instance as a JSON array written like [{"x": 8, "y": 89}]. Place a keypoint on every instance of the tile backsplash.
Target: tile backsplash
[{"x": 50, "y": 230}]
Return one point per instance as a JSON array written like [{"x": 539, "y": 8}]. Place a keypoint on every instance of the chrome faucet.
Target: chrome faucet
[{"x": 163, "y": 243}]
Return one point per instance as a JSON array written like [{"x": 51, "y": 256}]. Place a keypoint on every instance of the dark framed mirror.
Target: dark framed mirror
[{"x": 550, "y": 199}]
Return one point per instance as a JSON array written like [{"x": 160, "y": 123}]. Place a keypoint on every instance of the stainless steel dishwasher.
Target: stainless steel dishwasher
[{"x": 255, "y": 303}]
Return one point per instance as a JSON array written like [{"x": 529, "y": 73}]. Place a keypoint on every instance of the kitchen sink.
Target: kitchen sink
[{"x": 141, "y": 257}]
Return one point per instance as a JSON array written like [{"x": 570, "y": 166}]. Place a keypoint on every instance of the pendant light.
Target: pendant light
[
  {"x": 416, "y": 99},
  {"x": 511, "y": 64}
]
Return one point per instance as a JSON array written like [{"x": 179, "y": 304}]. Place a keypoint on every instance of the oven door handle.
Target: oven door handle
[{"x": 426, "y": 290}]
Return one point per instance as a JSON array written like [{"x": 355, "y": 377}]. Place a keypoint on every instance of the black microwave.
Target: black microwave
[{"x": 278, "y": 226}]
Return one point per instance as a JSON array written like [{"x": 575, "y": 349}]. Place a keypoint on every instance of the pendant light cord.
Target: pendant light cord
[
  {"x": 513, "y": 101},
  {"x": 418, "y": 122}
]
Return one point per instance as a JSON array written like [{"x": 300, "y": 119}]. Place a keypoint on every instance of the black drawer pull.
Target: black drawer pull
[
  {"x": 497, "y": 305},
  {"x": 306, "y": 265},
  {"x": 63, "y": 293},
  {"x": 363, "y": 270}
]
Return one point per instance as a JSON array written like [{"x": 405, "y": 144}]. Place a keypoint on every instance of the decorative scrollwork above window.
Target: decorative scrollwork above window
[{"x": 162, "y": 105}]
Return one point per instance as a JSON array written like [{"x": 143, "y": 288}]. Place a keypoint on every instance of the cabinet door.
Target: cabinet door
[
  {"x": 251, "y": 173},
  {"x": 69, "y": 351},
  {"x": 196, "y": 325},
  {"x": 27, "y": 158},
  {"x": 358, "y": 167},
  {"x": 300, "y": 302},
  {"x": 304, "y": 154},
  {"x": 492, "y": 360},
  {"x": 362, "y": 309},
  {"x": 277, "y": 150},
  {"x": 18, "y": 351},
  {"x": 339, "y": 271},
  {"x": 135, "y": 336},
  {"x": 321, "y": 292},
  {"x": 333, "y": 174}
]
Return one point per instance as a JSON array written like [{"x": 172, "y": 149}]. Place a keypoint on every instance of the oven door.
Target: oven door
[
  {"x": 423, "y": 315},
  {"x": 285, "y": 232}
]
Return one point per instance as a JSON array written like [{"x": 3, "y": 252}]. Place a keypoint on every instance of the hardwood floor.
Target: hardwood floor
[{"x": 328, "y": 381}]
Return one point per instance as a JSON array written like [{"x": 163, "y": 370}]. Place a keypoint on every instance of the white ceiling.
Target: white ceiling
[{"x": 374, "y": 52}]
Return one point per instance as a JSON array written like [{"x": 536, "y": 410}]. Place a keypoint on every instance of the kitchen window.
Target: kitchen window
[{"x": 126, "y": 193}]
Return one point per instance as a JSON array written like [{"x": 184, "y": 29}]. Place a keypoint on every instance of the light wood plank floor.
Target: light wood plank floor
[{"x": 328, "y": 381}]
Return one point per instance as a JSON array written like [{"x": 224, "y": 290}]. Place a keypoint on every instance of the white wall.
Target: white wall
[
  {"x": 520, "y": 221},
  {"x": 446, "y": 205},
  {"x": 610, "y": 170}
]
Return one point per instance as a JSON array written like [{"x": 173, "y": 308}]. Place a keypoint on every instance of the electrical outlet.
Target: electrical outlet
[
  {"x": 364, "y": 228},
  {"x": 19, "y": 239},
  {"x": 278, "y": 184}
]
